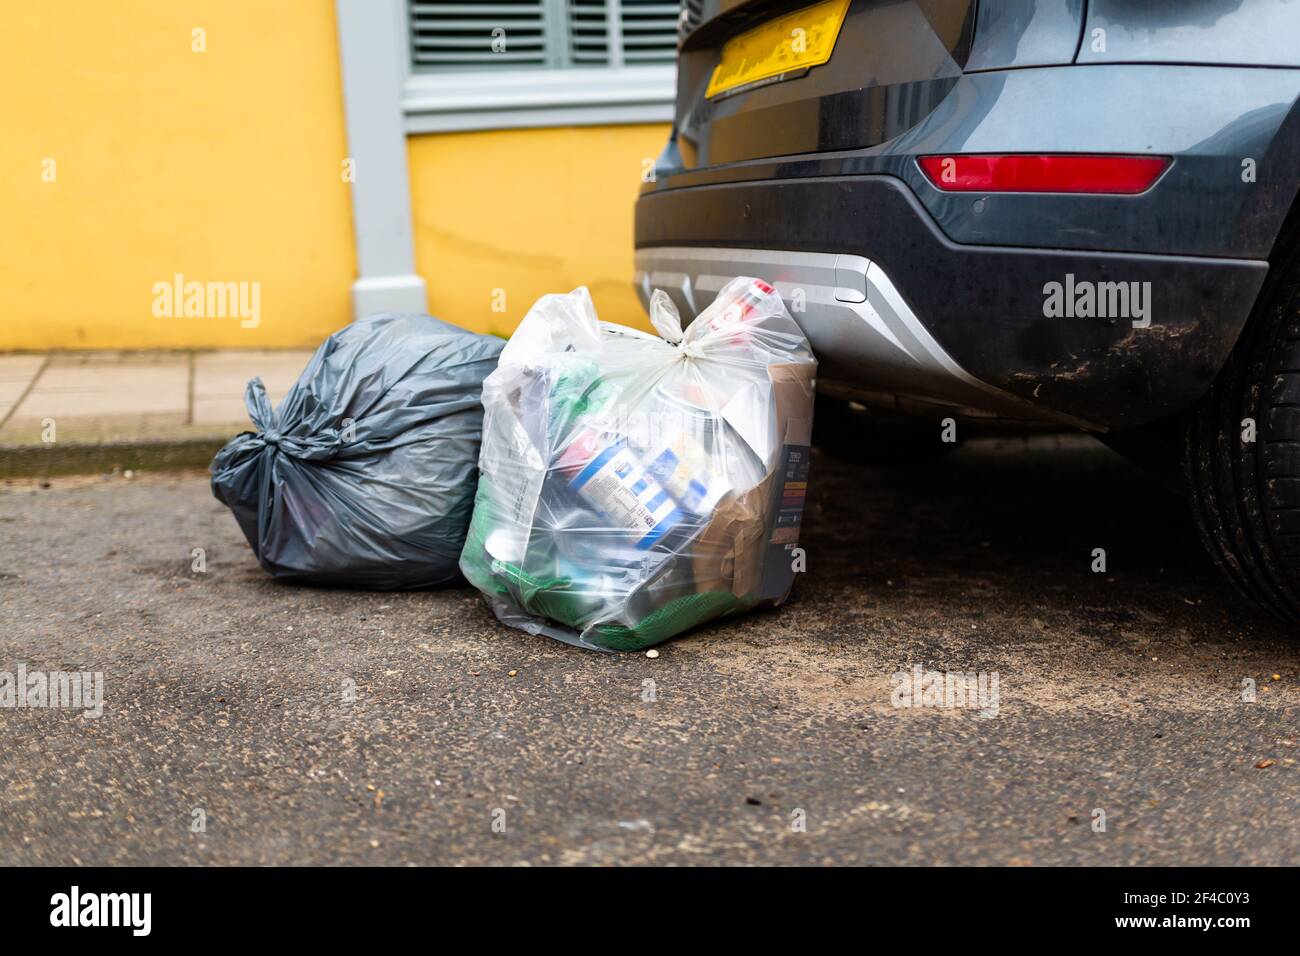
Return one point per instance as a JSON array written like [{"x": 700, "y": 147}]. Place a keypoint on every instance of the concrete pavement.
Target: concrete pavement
[
  {"x": 85, "y": 411},
  {"x": 106, "y": 396}
]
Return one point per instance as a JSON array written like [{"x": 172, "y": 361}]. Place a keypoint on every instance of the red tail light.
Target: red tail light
[{"x": 1022, "y": 173}]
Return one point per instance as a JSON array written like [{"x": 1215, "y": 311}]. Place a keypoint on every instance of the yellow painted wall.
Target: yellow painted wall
[
  {"x": 222, "y": 166},
  {"x": 529, "y": 212}
]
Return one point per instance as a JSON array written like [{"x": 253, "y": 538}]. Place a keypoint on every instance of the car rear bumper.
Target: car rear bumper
[{"x": 892, "y": 305}]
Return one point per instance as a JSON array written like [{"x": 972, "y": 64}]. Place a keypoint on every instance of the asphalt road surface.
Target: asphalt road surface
[{"x": 246, "y": 721}]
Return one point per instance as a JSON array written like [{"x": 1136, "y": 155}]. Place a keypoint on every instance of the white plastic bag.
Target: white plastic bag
[{"x": 631, "y": 486}]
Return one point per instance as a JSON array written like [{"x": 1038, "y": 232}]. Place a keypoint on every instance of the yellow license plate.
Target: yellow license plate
[{"x": 795, "y": 41}]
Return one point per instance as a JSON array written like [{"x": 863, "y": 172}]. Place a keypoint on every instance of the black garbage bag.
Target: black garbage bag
[{"x": 365, "y": 475}]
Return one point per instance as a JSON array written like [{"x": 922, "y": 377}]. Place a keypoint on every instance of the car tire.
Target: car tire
[
  {"x": 855, "y": 433},
  {"x": 1245, "y": 494}
]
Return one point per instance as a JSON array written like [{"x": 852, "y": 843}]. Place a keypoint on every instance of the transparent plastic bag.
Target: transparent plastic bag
[{"x": 631, "y": 486}]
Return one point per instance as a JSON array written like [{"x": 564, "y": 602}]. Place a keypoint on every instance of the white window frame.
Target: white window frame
[
  {"x": 384, "y": 102},
  {"x": 450, "y": 101}
]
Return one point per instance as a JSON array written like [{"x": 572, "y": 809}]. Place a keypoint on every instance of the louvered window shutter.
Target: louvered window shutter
[{"x": 542, "y": 33}]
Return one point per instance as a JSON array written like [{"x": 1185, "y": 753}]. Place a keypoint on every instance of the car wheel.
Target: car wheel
[
  {"x": 867, "y": 436},
  {"x": 1242, "y": 453}
]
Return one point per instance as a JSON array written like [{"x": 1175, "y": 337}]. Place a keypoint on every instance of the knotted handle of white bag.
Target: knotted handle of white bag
[
  {"x": 665, "y": 318},
  {"x": 685, "y": 349}
]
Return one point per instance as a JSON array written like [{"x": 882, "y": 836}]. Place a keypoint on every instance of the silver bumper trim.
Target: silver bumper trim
[{"x": 862, "y": 330}]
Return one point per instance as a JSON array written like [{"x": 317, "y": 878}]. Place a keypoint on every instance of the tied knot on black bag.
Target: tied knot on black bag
[
  {"x": 322, "y": 446},
  {"x": 364, "y": 474}
]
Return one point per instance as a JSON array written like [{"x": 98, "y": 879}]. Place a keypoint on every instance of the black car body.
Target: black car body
[{"x": 1056, "y": 211}]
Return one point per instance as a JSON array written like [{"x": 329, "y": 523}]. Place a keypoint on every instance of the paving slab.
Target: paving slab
[
  {"x": 91, "y": 386},
  {"x": 221, "y": 377},
  {"x": 16, "y": 375},
  {"x": 126, "y": 407},
  {"x": 227, "y": 373}
]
